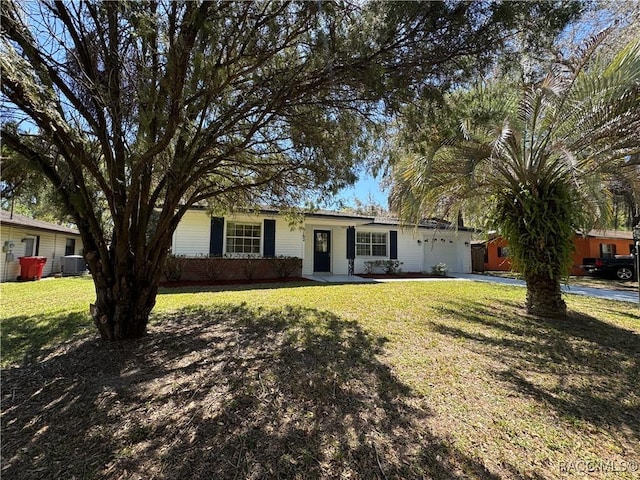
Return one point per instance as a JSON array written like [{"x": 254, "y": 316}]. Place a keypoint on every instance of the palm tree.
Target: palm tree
[{"x": 534, "y": 157}]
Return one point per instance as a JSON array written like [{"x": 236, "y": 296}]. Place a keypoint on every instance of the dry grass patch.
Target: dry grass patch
[{"x": 413, "y": 380}]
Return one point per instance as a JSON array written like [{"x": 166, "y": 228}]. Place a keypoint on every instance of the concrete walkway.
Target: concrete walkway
[{"x": 622, "y": 296}]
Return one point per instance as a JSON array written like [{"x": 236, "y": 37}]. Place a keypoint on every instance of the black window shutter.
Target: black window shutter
[
  {"x": 217, "y": 237},
  {"x": 351, "y": 243},
  {"x": 393, "y": 244},
  {"x": 269, "y": 249}
]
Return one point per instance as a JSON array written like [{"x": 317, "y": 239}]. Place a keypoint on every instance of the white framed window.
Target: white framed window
[
  {"x": 243, "y": 238},
  {"x": 371, "y": 244}
]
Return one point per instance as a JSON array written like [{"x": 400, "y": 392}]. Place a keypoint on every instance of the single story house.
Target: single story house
[
  {"x": 22, "y": 236},
  {"x": 591, "y": 244},
  {"x": 324, "y": 240}
]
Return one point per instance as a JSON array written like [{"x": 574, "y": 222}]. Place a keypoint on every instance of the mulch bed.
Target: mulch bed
[
  {"x": 400, "y": 275},
  {"x": 205, "y": 283}
]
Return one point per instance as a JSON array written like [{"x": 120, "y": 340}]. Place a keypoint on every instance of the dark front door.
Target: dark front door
[{"x": 321, "y": 251}]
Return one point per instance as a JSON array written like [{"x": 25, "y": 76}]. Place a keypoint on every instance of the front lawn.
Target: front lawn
[{"x": 399, "y": 380}]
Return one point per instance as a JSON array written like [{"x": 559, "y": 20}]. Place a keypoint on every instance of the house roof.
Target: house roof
[
  {"x": 621, "y": 234},
  {"x": 366, "y": 219},
  {"x": 6, "y": 218},
  {"x": 431, "y": 224},
  {"x": 334, "y": 214},
  {"x": 610, "y": 234}
]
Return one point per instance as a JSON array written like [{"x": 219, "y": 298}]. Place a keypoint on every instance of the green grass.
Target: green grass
[
  {"x": 399, "y": 380},
  {"x": 40, "y": 315}
]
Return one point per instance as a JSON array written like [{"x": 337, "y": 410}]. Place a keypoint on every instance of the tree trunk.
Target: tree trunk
[
  {"x": 544, "y": 297},
  {"x": 125, "y": 299},
  {"x": 122, "y": 312}
]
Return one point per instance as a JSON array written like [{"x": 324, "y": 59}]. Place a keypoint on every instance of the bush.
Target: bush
[
  {"x": 439, "y": 269},
  {"x": 285, "y": 266},
  {"x": 173, "y": 267},
  {"x": 213, "y": 267},
  {"x": 390, "y": 267},
  {"x": 249, "y": 265}
]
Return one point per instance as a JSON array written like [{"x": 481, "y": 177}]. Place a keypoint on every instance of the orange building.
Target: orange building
[
  {"x": 593, "y": 244},
  {"x": 497, "y": 255}
]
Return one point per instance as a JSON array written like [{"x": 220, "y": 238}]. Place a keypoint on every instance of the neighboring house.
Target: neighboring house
[
  {"x": 593, "y": 244},
  {"x": 22, "y": 236},
  {"x": 321, "y": 240}
]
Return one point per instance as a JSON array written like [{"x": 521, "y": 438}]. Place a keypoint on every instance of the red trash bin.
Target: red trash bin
[{"x": 31, "y": 267}]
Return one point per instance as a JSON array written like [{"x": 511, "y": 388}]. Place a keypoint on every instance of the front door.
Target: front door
[{"x": 321, "y": 250}]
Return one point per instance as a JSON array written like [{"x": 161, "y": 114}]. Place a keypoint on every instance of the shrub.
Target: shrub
[
  {"x": 387, "y": 266},
  {"x": 392, "y": 267},
  {"x": 214, "y": 267},
  {"x": 439, "y": 269},
  {"x": 371, "y": 266},
  {"x": 173, "y": 267},
  {"x": 284, "y": 266},
  {"x": 249, "y": 265}
]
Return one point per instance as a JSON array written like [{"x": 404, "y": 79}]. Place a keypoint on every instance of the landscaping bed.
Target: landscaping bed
[
  {"x": 400, "y": 275},
  {"x": 205, "y": 283}
]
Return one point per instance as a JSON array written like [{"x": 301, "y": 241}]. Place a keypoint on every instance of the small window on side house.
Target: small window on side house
[
  {"x": 503, "y": 252},
  {"x": 607, "y": 250},
  {"x": 29, "y": 246},
  {"x": 70, "y": 247}
]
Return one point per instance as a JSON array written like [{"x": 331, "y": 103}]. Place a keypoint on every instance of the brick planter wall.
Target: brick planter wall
[{"x": 234, "y": 269}]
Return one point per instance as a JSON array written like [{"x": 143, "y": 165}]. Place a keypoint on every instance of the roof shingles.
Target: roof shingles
[{"x": 6, "y": 218}]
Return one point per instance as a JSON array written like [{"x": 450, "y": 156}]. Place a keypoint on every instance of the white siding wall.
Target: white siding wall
[
  {"x": 52, "y": 245},
  {"x": 193, "y": 235},
  {"x": 11, "y": 269},
  {"x": 288, "y": 242},
  {"x": 339, "y": 262},
  {"x": 464, "y": 253},
  {"x": 409, "y": 252},
  {"x": 307, "y": 259},
  {"x": 448, "y": 248}
]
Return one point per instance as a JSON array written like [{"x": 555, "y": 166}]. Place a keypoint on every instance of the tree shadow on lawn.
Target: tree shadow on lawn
[
  {"x": 589, "y": 368},
  {"x": 227, "y": 392},
  {"x": 26, "y": 338}
]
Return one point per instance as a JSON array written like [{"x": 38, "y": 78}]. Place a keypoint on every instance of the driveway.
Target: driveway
[
  {"x": 631, "y": 297},
  {"x": 575, "y": 289}
]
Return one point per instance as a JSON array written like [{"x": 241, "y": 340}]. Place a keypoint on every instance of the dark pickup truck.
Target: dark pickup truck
[{"x": 621, "y": 267}]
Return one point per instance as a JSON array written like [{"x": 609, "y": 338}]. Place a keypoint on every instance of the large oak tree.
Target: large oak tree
[{"x": 136, "y": 111}]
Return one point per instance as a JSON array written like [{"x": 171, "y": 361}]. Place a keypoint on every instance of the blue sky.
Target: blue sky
[{"x": 365, "y": 188}]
